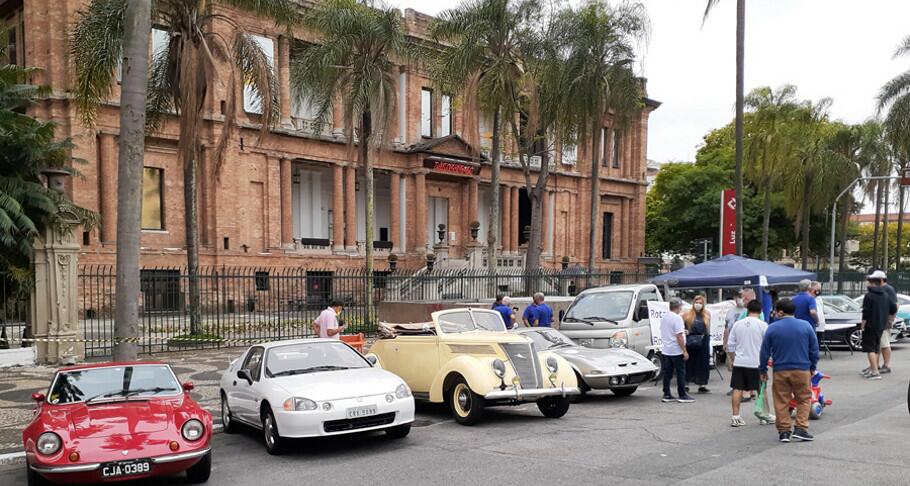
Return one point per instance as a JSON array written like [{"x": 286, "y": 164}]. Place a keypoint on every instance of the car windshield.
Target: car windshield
[
  {"x": 840, "y": 304},
  {"x": 113, "y": 383},
  {"x": 548, "y": 339},
  {"x": 295, "y": 359},
  {"x": 600, "y": 306},
  {"x": 474, "y": 320}
]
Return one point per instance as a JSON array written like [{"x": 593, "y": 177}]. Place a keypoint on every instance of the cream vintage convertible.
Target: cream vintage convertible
[{"x": 465, "y": 358}]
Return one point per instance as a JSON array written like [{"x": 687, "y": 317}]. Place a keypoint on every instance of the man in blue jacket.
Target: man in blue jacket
[{"x": 792, "y": 345}]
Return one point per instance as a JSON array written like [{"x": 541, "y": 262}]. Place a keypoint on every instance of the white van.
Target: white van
[{"x": 614, "y": 316}]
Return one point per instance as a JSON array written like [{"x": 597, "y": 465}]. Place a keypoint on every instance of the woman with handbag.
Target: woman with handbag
[{"x": 698, "y": 343}]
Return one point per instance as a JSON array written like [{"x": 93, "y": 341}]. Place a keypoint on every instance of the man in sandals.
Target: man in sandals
[{"x": 743, "y": 349}]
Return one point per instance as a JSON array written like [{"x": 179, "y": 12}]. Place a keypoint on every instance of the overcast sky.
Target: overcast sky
[{"x": 836, "y": 48}]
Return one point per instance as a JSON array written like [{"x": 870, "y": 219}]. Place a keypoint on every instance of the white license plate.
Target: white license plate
[
  {"x": 125, "y": 468},
  {"x": 358, "y": 412}
]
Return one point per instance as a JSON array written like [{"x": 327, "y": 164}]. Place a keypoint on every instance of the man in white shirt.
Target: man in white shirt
[
  {"x": 743, "y": 349},
  {"x": 673, "y": 352},
  {"x": 326, "y": 325}
]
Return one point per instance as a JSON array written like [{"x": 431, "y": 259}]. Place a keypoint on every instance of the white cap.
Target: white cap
[{"x": 877, "y": 275}]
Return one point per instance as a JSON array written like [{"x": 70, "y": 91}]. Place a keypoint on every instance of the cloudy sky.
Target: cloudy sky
[{"x": 828, "y": 48}]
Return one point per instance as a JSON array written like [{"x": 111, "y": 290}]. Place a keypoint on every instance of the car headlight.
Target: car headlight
[
  {"x": 48, "y": 443},
  {"x": 402, "y": 391},
  {"x": 499, "y": 368},
  {"x": 552, "y": 364},
  {"x": 192, "y": 430},
  {"x": 297, "y": 404},
  {"x": 619, "y": 340}
]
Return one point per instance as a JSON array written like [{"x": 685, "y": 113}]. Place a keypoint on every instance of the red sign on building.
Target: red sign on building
[
  {"x": 452, "y": 167},
  {"x": 728, "y": 222}
]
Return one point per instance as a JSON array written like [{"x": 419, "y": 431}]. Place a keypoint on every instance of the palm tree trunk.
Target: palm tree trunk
[
  {"x": 365, "y": 138},
  {"x": 596, "y": 149},
  {"x": 740, "y": 64},
  {"x": 900, "y": 229},
  {"x": 845, "y": 221},
  {"x": 886, "y": 263},
  {"x": 191, "y": 228},
  {"x": 875, "y": 234},
  {"x": 494, "y": 226},
  {"x": 136, "y": 29},
  {"x": 804, "y": 246},
  {"x": 766, "y": 219}
]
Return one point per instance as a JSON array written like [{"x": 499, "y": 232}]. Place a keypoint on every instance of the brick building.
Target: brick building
[{"x": 295, "y": 197}]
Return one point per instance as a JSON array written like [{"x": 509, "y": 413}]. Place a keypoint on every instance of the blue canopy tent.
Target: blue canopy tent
[{"x": 732, "y": 271}]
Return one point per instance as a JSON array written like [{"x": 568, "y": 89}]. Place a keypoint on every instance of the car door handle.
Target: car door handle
[{"x": 235, "y": 383}]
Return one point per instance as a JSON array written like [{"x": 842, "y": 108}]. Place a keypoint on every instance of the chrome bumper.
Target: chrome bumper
[
  {"x": 531, "y": 393},
  {"x": 95, "y": 465}
]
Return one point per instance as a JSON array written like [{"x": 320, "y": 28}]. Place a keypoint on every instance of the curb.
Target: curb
[{"x": 18, "y": 456}]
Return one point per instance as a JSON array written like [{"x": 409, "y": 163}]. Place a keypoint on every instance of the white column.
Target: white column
[{"x": 403, "y": 214}]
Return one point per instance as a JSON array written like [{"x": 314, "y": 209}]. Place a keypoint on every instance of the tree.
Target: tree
[
  {"x": 180, "y": 77},
  {"x": 482, "y": 61},
  {"x": 845, "y": 143},
  {"x": 354, "y": 63},
  {"x": 601, "y": 52},
  {"x": 740, "y": 83},
  {"x": 895, "y": 98},
  {"x": 875, "y": 162}
]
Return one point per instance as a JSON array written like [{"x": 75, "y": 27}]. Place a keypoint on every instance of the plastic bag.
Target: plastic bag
[{"x": 760, "y": 408}]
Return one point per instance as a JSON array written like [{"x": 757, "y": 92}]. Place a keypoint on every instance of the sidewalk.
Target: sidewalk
[{"x": 17, "y": 384}]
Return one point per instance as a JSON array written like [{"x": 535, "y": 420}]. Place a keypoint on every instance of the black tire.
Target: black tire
[
  {"x": 855, "y": 340},
  {"x": 274, "y": 443},
  {"x": 398, "y": 431},
  {"x": 624, "y": 392},
  {"x": 583, "y": 387},
  {"x": 200, "y": 472},
  {"x": 33, "y": 478},
  {"x": 656, "y": 360},
  {"x": 228, "y": 424},
  {"x": 467, "y": 407},
  {"x": 553, "y": 407}
]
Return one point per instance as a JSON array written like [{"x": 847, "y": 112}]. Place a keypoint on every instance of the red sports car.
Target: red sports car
[{"x": 117, "y": 421}]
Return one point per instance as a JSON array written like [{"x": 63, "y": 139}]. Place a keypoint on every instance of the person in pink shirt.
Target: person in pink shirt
[{"x": 326, "y": 325}]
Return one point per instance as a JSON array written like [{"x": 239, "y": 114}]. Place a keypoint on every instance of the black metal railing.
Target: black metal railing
[{"x": 14, "y": 305}]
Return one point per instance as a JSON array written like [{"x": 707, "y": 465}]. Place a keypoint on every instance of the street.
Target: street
[{"x": 860, "y": 439}]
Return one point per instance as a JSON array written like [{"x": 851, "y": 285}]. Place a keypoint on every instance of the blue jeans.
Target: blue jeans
[{"x": 670, "y": 365}]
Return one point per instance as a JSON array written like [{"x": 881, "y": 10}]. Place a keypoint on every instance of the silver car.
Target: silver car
[{"x": 619, "y": 370}]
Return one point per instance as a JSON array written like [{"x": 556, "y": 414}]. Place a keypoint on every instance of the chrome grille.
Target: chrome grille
[{"x": 524, "y": 360}]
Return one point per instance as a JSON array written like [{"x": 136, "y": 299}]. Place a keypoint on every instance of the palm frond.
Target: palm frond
[
  {"x": 95, "y": 48},
  {"x": 283, "y": 12}
]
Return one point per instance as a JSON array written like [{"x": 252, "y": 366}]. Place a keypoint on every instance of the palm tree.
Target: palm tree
[
  {"x": 845, "y": 145},
  {"x": 768, "y": 146},
  {"x": 740, "y": 83},
  {"x": 600, "y": 80},
  {"x": 482, "y": 61},
  {"x": 895, "y": 98},
  {"x": 354, "y": 63},
  {"x": 180, "y": 76},
  {"x": 875, "y": 162}
]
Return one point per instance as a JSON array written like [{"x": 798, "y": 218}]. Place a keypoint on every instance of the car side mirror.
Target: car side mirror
[
  {"x": 244, "y": 374},
  {"x": 38, "y": 397},
  {"x": 562, "y": 313},
  {"x": 642, "y": 312},
  {"x": 188, "y": 386},
  {"x": 372, "y": 360}
]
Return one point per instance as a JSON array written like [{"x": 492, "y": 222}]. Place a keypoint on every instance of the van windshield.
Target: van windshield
[{"x": 601, "y": 306}]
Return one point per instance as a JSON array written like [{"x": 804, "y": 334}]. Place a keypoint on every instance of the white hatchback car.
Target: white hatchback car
[{"x": 312, "y": 388}]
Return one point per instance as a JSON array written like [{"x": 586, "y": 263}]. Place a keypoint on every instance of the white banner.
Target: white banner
[{"x": 656, "y": 311}]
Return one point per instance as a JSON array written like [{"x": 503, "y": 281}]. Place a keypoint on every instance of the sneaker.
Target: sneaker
[
  {"x": 802, "y": 434},
  {"x": 737, "y": 421},
  {"x": 876, "y": 376},
  {"x": 866, "y": 371},
  {"x": 784, "y": 437},
  {"x": 668, "y": 399},
  {"x": 884, "y": 369},
  {"x": 767, "y": 420},
  {"x": 703, "y": 389},
  {"x": 746, "y": 398},
  {"x": 685, "y": 399}
]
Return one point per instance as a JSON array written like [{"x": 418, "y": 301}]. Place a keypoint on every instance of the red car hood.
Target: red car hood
[{"x": 117, "y": 418}]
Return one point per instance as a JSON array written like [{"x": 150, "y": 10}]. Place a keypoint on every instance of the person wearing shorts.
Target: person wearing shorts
[
  {"x": 743, "y": 349},
  {"x": 877, "y": 311}
]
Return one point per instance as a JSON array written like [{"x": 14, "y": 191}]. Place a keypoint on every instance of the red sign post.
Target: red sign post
[{"x": 728, "y": 222}]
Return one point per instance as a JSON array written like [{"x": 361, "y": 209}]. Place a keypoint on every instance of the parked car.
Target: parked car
[
  {"x": 117, "y": 421},
  {"x": 616, "y": 369},
  {"x": 465, "y": 358},
  {"x": 899, "y": 329},
  {"x": 311, "y": 388}
]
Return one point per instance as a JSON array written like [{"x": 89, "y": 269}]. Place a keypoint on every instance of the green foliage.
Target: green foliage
[
  {"x": 28, "y": 146},
  {"x": 864, "y": 234}
]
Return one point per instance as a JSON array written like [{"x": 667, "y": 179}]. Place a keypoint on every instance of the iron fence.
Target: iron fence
[{"x": 14, "y": 303}]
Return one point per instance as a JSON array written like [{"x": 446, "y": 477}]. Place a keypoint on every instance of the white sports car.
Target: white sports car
[{"x": 312, "y": 388}]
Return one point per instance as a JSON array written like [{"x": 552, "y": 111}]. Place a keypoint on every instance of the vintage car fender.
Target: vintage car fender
[
  {"x": 477, "y": 372},
  {"x": 565, "y": 374}
]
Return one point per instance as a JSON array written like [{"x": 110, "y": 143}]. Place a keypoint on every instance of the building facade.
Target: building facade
[{"x": 295, "y": 196}]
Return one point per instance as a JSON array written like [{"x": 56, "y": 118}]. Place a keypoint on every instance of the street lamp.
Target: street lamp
[{"x": 834, "y": 222}]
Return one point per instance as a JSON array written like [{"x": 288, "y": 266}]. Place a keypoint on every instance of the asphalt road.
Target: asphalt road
[{"x": 860, "y": 439}]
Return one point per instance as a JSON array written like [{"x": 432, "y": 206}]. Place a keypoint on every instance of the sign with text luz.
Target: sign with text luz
[{"x": 728, "y": 222}]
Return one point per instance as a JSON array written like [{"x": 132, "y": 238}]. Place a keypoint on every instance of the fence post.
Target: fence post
[{"x": 54, "y": 314}]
